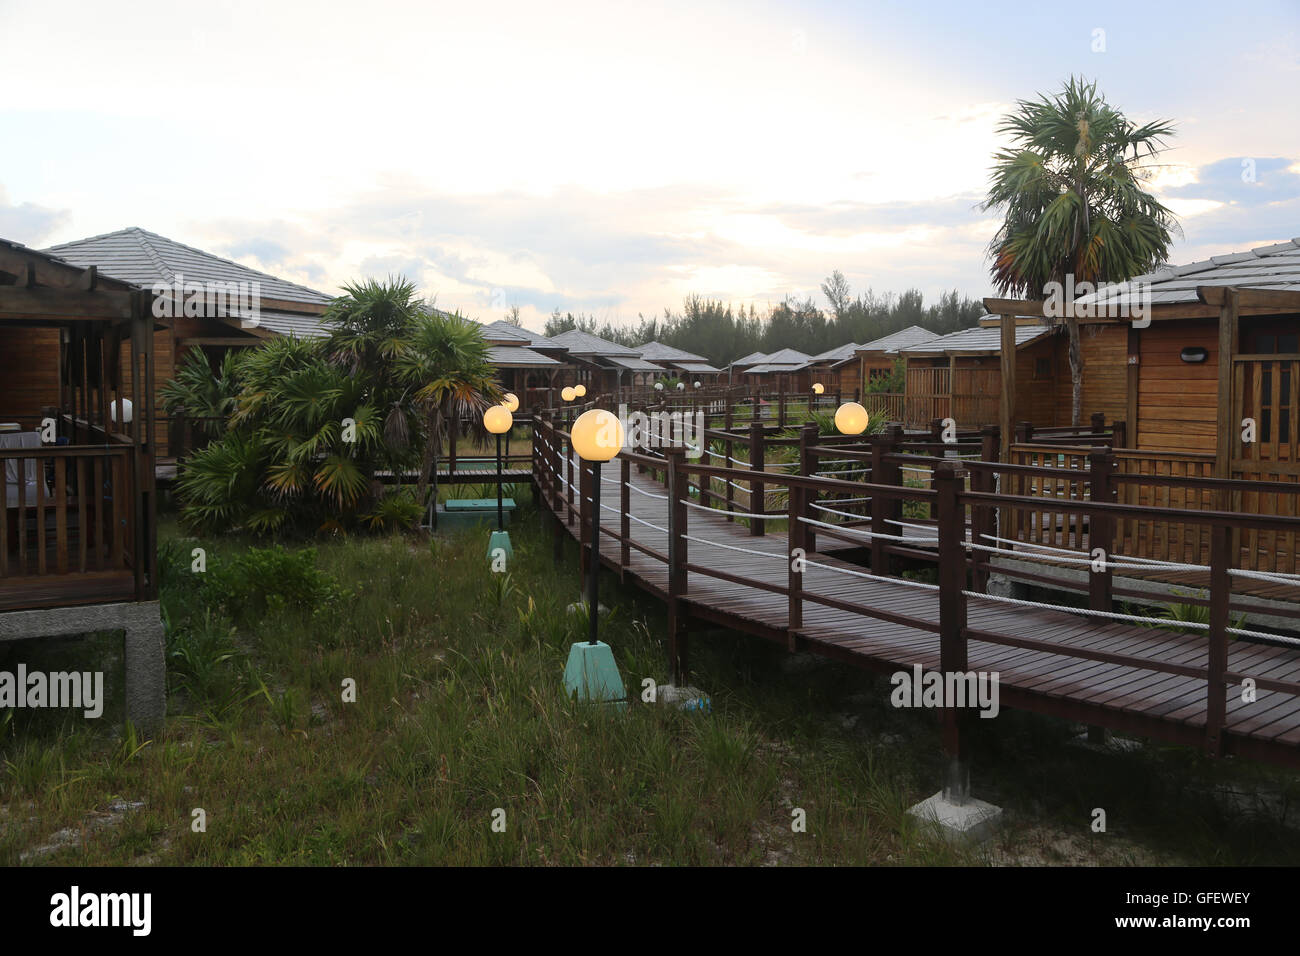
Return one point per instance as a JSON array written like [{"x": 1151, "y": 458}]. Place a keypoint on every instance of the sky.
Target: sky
[{"x": 612, "y": 158}]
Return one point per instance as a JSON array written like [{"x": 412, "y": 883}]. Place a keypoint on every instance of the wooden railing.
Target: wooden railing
[
  {"x": 72, "y": 525},
  {"x": 967, "y": 503}
]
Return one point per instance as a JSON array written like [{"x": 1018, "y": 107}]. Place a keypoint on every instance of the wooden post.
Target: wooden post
[
  {"x": 1098, "y": 422},
  {"x": 797, "y": 548},
  {"x": 625, "y": 511},
  {"x": 1101, "y": 528},
  {"x": 780, "y": 408},
  {"x": 757, "y": 491},
  {"x": 1007, "y": 405},
  {"x": 728, "y": 449},
  {"x": 1119, "y": 435},
  {"x": 884, "y": 473},
  {"x": 808, "y": 436},
  {"x": 1228, "y": 420},
  {"x": 678, "y": 555},
  {"x": 949, "y": 480},
  {"x": 1024, "y": 434},
  {"x": 1216, "y": 704},
  {"x": 557, "y": 494},
  {"x": 984, "y": 517}
]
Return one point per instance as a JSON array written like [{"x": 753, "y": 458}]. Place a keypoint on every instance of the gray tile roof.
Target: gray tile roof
[
  {"x": 144, "y": 258},
  {"x": 1264, "y": 267},
  {"x": 299, "y": 325},
  {"x": 503, "y": 333},
  {"x": 584, "y": 343},
  {"x": 753, "y": 358},
  {"x": 788, "y": 357},
  {"x": 900, "y": 340},
  {"x": 534, "y": 339},
  {"x": 659, "y": 352},
  {"x": 979, "y": 339},
  {"x": 837, "y": 354},
  {"x": 633, "y": 363},
  {"x": 515, "y": 356},
  {"x": 698, "y": 367}
]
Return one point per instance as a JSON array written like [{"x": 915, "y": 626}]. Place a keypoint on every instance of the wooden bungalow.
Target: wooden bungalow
[
  {"x": 678, "y": 363},
  {"x": 959, "y": 376},
  {"x": 527, "y": 364},
  {"x": 1217, "y": 351},
  {"x": 876, "y": 358},
  {"x": 785, "y": 369},
  {"x": 837, "y": 370},
  {"x": 188, "y": 314},
  {"x": 737, "y": 369},
  {"x": 77, "y": 546},
  {"x": 601, "y": 365}
]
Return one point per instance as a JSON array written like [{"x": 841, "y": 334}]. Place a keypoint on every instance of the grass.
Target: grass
[{"x": 459, "y": 712}]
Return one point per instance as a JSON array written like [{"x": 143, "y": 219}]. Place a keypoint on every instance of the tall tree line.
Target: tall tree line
[{"x": 723, "y": 333}]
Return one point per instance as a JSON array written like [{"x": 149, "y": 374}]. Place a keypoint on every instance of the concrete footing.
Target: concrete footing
[
  {"x": 971, "y": 820},
  {"x": 143, "y": 655}
]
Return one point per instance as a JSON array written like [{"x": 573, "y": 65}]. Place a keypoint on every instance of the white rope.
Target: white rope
[
  {"x": 873, "y": 577},
  {"x": 846, "y": 514},
  {"x": 741, "y": 514},
  {"x": 730, "y": 547},
  {"x": 1277, "y": 577},
  {"x": 868, "y": 534},
  {"x": 911, "y": 524},
  {"x": 1087, "y": 612},
  {"x": 642, "y": 491}
]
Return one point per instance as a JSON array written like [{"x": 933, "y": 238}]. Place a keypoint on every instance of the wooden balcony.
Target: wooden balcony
[{"x": 72, "y": 528}]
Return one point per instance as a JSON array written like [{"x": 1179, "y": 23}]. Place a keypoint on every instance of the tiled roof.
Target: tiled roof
[
  {"x": 145, "y": 258},
  {"x": 584, "y": 343},
  {"x": 633, "y": 363},
  {"x": 1264, "y": 267},
  {"x": 659, "y": 352},
  {"x": 753, "y": 358},
  {"x": 515, "y": 356},
  {"x": 900, "y": 340},
  {"x": 788, "y": 357},
  {"x": 698, "y": 367},
  {"x": 535, "y": 339},
  {"x": 838, "y": 354},
  {"x": 979, "y": 339}
]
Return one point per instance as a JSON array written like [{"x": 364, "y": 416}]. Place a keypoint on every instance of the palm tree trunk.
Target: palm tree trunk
[
  {"x": 429, "y": 467},
  {"x": 1076, "y": 369}
]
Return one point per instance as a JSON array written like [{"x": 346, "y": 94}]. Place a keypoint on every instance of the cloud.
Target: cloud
[
  {"x": 1236, "y": 203},
  {"x": 29, "y": 223},
  {"x": 1243, "y": 180}
]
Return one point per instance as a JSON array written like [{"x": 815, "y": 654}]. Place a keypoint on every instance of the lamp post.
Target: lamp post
[
  {"x": 498, "y": 420},
  {"x": 567, "y": 394},
  {"x": 591, "y": 672}
]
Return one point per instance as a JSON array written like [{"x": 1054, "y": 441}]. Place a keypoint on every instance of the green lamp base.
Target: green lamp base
[
  {"x": 500, "y": 539},
  {"x": 592, "y": 675}
]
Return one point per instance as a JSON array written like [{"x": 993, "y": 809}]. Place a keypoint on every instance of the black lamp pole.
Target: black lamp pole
[
  {"x": 594, "y": 568},
  {"x": 501, "y": 524}
]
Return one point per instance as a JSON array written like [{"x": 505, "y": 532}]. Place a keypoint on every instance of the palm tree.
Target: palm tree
[
  {"x": 1071, "y": 190},
  {"x": 448, "y": 363}
]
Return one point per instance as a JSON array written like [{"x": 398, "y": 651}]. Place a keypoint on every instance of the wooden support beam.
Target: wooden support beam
[
  {"x": 1228, "y": 421},
  {"x": 1007, "y": 405},
  {"x": 1280, "y": 299}
]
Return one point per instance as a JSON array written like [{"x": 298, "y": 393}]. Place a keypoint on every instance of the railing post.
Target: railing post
[
  {"x": 808, "y": 436},
  {"x": 1216, "y": 704},
  {"x": 797, "y": 548},
  {"x": 1024, "y": 432},
  {"x": 757, "y": 490},
  {"x": 780, "y": 408},
  {"x": 1119, "y": 435},
  {"x": 949, "y": 479},
  {"x": 884, "y": 473},
  {"x": 729, "y": 449},
  {"x": 570, "y": 477},
  {"x": 625, "y": 511},
  {"x": 678, "y": 555},
  {"x": 1101, "y": 528},
  {"x": 1098, "y": 422},
  {"x": 983, "y": 517}
]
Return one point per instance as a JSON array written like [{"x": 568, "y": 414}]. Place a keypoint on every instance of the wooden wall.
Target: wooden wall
[
  {"x": 1105, "y": 374},
  {"x": 29, "y": 373},
  {"x": 1177, "y": 400}
]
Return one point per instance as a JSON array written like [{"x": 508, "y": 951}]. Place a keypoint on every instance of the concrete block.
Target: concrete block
[{"x": 972, "y": 821}]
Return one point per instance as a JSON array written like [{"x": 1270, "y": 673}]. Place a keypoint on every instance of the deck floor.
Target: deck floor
[{"x": 1130, "y": 698}]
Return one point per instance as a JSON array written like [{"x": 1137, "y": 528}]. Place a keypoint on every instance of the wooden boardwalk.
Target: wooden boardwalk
[{"x": 1048, "y": 661}]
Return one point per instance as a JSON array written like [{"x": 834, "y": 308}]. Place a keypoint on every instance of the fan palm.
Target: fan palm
[
  {"x": 448, "y": 364},
  {"x": 1071, "y": 189}
]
